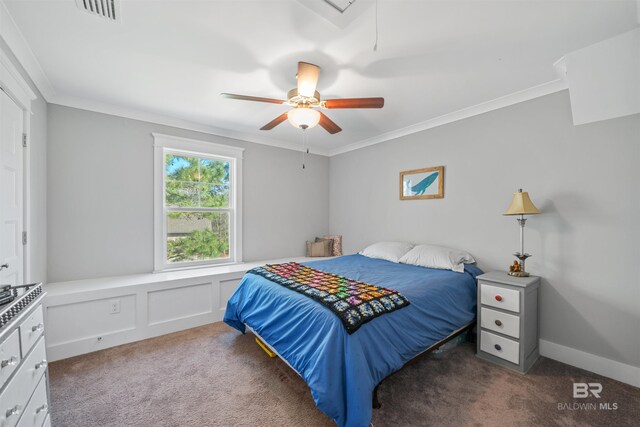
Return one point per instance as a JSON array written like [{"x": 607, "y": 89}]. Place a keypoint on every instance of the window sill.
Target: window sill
[{"x": 197, "y": 267}]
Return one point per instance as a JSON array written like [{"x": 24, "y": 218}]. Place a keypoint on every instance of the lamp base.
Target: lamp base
[{"x": 518, "y": 273}]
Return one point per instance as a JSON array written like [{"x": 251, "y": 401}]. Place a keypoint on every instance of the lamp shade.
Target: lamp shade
[
  {"x": 303, "y": 117},
  {"x": 521, "y": 204}
]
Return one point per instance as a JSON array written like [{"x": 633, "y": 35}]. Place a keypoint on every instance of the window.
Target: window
[{"x": 197, "y": 203}]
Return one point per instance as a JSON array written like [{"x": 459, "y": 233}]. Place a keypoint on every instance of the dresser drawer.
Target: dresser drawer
[
  {"x": 9, "y": 356},
  {"x": 15, "y": 396},
  {"x": 506, "y": 299},
  {"x": 498, "y": 321},
  {"x": 37, "y": 408},
  {"x": 30, "y": 330},
  {"x": 501, "y": 347}
]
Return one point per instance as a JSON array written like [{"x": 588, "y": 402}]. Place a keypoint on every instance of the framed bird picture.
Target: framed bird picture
[{"x": 427, "y": 183}]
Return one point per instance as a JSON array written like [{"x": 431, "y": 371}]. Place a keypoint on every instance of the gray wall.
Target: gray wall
[
  {"x": 584, "y": 178},
  {"x": 38, "y": 196},
  {"x": 100, "y": 188}
]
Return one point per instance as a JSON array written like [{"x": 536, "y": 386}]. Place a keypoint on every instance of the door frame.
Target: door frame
[{"x": 15, "y": 86}]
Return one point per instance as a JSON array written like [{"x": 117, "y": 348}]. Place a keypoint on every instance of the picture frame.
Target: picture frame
[{"x": 426, "y": 183}]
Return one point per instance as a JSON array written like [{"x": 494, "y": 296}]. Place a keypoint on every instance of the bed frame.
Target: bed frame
[
  {"x": 374, "y": 400},
  {"x": 468, "y": 328}
]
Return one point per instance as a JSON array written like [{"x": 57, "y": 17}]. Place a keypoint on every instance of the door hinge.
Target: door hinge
[
  {"x": 24, "y": 139},
  {"x": 24, "y": 237}
]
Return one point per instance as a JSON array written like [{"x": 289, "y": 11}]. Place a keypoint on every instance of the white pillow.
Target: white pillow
[
  {"x": 390, "y": 251},
  {"x": 438, "y": 257}
]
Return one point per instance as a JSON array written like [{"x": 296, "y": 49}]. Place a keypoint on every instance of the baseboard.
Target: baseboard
[{"x": 580, "y": 359}]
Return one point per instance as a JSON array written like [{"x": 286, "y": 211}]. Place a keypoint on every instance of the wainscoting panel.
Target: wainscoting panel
[
  {"x": 227, "y": 287},
  {"x": 179, "y": 303},
  {"x": 90, "y": 319},
  {"x": 93, "y": 314}
]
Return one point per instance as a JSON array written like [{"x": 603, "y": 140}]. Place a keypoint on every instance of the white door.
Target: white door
[{"x": 11, "y": 252}]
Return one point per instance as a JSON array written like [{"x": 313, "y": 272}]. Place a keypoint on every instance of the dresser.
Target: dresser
[
  {"x": 508, "y": 320},
  {"x": 24, "y": 390}
]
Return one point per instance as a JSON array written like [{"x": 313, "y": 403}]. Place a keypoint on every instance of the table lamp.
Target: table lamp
[{"x": 521, "y": 205}]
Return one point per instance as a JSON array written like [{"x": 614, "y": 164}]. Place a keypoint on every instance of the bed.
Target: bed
[{"x": 342, "y": 370}]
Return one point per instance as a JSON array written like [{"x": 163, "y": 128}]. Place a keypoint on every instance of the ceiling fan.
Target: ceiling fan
[{"x": 305, "y": 99}]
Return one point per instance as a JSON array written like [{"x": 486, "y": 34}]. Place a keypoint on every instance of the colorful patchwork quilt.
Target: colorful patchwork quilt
[{"x": 354, "y": 302}]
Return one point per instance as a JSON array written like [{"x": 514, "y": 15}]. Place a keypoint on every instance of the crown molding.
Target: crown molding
[
  {"x": 495, "y": 104},
  {"x": 12, "y": 35},
  {"x": 561, "y": 68},
  {"x": 130, "y": 113}
]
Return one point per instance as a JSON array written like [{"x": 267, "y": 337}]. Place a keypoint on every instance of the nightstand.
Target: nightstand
[{"x": 508, "y": 320}]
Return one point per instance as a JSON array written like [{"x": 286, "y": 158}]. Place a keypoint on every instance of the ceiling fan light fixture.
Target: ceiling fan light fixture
[
  {"x": 303, "y": 118},
  {"x": 304, "y": 98}
]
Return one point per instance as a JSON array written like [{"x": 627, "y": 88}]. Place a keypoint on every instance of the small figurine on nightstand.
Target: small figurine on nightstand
[{"x": 515, "y": 268}]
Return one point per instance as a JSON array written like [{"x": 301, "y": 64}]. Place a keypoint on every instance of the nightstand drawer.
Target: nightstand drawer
[
  {"x": 498, "y": 321},
  {"x": 506, "y": 299},
  {"x": 503, "y": 348}
]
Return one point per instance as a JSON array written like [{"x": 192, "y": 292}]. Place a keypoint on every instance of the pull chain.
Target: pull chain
[{"x": 304, "y": 145}]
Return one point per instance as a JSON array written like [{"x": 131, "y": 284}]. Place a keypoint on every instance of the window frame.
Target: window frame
[{"x": 167, "y": 144}]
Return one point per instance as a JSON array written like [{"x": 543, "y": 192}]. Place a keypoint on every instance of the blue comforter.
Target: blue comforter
[{"x": 341, "y": 369}]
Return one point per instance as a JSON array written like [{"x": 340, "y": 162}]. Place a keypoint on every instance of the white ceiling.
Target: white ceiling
[{"x": 174, "y": 58}]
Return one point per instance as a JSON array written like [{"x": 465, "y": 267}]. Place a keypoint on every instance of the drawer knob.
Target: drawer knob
[
  {"x": 44, "y": 407},
  {"x": 498, "y": 347},
  {"x": 498, "y": 298},
  {"x": 498, "y": 323},
  {"x": 12, "y": 361},
  {"x": 42, "y": 364},
  {"x": 14, "y": 411},
  {"x": 37, "y": 327}
]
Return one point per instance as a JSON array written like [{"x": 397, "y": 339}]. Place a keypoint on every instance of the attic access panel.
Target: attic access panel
[
  {"x": 340, "y": 5},
  {"x": 340, "y": 13}
]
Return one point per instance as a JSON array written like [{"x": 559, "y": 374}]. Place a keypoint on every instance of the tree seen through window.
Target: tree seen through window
[{"x": 198, "y": 208}]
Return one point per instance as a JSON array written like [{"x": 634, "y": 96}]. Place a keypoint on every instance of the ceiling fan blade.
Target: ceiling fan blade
[
  {"x": 307, "y": 79},
  {"x": 354, "y": 103},
  {"x": 275, "y": 122},
  {"x": 251, "y": 98},
  {"x": 328, "y": 124}
]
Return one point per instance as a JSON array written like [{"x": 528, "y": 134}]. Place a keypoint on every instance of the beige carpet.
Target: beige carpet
[{"x": 214, "y": 376}]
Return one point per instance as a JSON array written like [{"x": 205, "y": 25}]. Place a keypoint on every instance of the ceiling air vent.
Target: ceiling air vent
[{"x": 107, "y": 9}]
